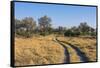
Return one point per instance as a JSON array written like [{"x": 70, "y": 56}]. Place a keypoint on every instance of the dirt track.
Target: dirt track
[{"x": 72, "y": 53}]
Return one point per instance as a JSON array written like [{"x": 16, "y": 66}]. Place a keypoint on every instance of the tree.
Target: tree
[
  {"x": 26, "y": 27},
  {"x": 71, "y": 33},
  {"x": 44, "y": 24},
  {"x": 68, "y": 33},
  {"x": 75, "y": 31},
  {"x": 92, "y": 31},
  {"x": 17, "y": 23},
  {"x": 61, "y": 30},
  {"x": 84, "y": 28},
  {"x": 29, "y": 23}
]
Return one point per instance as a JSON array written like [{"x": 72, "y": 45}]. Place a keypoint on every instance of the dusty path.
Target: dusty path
[
  {"x": 83, "y": 57},
  {"x": 66, "y": 52},
  {"x": 72, "y": 53}
]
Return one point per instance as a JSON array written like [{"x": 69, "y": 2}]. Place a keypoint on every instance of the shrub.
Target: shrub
[
  {"x": 71, "y": 33},
  {"x": 26, "y": 34}
]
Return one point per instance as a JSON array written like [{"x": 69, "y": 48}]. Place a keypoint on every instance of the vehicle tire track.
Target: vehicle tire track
[
  {"x": 73, "y": 57},
  {"x": 72, "y": 53},
  {"x": 82, "y": 55},
  {"x": 67, "y": 57}
]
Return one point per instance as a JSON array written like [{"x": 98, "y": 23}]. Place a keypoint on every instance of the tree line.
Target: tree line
[{"x": 28, "y": 27}]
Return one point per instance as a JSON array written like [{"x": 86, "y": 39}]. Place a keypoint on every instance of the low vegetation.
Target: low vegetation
[
  {"x": 86, "y": 45},
  {"x": 37, "y": 51}
]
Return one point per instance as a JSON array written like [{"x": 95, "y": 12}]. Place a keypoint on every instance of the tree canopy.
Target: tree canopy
[{"x": 27, "y": 27}]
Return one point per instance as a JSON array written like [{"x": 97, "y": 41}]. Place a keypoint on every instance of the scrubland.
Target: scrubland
[
  {"x": 86, "y": 44},
  {"x": 40, "y": 50},
  {"x": 37, "y": 51}
]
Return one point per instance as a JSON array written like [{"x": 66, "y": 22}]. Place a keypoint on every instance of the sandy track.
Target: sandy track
[{"x": 73, "y": 53}]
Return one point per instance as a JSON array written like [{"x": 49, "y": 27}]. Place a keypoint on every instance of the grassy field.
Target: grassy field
[
  {"x": 86, "y": 45},
  {"x": 37, "y": 51},
  {"x": 45, "y": 50}
]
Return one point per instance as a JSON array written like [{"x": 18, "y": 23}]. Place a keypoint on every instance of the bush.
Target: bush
[
  {"x": 26, "y": 34},
  {"x": 93, "y": 34},
  {"x": 71, "y": 33}
]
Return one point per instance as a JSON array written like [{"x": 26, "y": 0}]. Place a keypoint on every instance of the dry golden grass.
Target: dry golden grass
[
  {"x": 40, "y": 50},
  {"x": 87, "y": 45},
  {"x": 37, "y": 51}
]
